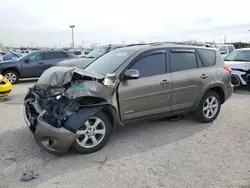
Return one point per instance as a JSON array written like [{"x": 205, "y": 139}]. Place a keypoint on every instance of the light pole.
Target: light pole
[{"x": 72, "y": 27}]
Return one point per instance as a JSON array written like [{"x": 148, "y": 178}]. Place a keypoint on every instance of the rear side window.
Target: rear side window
[
  {"x": 208, "y": 57},
  {"x": 180, "y": 61},
  {"x": 223, "y": 49},
  {"x": 151, "y": 65},
  {"x": 56, "y": 55},
  {"x": 230, "y": 48}
]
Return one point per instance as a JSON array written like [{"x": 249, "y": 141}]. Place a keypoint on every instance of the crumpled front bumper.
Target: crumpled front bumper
[{"x": 51, "y": 139}]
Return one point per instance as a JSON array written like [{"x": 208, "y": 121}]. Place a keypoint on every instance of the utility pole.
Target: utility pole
[{"x": 72, "y": 28}]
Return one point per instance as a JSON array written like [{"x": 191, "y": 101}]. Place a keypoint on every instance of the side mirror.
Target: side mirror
[
  {"x": 222, "y": 52},
  {"x": 131, "y": 74},
  {"x": 26, "y": 61}
]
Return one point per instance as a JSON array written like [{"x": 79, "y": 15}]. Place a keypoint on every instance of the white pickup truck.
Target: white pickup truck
[{"x": 225, "y": 49}]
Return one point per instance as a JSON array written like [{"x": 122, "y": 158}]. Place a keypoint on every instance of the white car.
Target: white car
[
  {"x": 239, "y": 61},
  {"x": 225, "y": 49}
]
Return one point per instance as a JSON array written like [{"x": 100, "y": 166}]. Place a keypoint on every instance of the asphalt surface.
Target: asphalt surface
[{"x": 148, "y": 154}]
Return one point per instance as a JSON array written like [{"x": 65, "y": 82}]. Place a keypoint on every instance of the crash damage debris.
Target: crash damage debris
[
  {"x": 66, "y": 97},
  {"x": 29, "y": 175}
]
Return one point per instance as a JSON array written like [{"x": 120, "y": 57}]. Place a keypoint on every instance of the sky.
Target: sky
[{"x": 46, "y": 22}]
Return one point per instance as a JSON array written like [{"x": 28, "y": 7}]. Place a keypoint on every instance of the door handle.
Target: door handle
[
  {"x": 164, "y": 82},
  {"x": 204, "y": 76},
  {"x": 40, "y": 63}
]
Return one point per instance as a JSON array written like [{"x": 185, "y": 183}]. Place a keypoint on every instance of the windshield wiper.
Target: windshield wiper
[
  {"x": 234, "y": 60},
  {"x": 90, "y": 57},
  {"x": 239, "y": 60}
]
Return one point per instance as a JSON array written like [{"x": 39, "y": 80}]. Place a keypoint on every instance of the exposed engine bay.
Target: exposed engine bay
[
  {"x": 64, "y": 98},
  {"x": 240, "y": 73}
]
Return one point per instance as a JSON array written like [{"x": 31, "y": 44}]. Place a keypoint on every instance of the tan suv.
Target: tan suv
[{"x": 80, "y": 108}]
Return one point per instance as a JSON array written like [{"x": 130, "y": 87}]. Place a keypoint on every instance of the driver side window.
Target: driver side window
[
  {"x": 151, "y": 65},
  {"x": 39, "y": 56}
]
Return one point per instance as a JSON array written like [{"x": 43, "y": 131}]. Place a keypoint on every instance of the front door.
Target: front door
[
  {"x": 189, "y": 77},
  {"x": 151, "y": 93},
  {"x": 33, "y": 65}
]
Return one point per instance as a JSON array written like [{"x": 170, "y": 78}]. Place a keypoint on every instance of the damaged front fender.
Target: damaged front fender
[{"x": 62, "y": 100}]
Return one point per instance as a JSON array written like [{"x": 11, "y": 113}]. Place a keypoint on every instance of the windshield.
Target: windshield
[
  {"x": 97, "y": 52},
  {"x": 238, "y": 55},
  {"x": 109, "y": 62}
]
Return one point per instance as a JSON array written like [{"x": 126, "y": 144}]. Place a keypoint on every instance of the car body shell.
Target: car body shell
[
  {"x": 114, "y": 99},
  {"x": 5, "y": 86}
]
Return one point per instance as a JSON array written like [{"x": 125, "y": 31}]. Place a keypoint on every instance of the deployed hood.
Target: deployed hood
[
  {"x": 57, "y": 76},
  {"x": 77, "y": 62},
  {"x": 238, "y": 64}
]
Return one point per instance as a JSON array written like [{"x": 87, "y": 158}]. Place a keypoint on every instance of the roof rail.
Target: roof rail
[
  {"x": 181, "y": 43},
  {"x": 137, "y": 44}
]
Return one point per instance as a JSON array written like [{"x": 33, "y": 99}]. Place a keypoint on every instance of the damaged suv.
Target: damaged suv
[{"x": 72, "y": 107}]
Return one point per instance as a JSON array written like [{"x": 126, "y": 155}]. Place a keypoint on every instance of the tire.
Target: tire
[
  {"x": 86, "y": 138},
  {"x": 12, "y": 76},
  {"x": 203, "y": 108}
]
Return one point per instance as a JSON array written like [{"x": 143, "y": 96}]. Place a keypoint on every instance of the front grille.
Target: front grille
[
  {"x": 5, "y": 92},
  {"x": 235, "y": 80},
  {"x": 2, "y": 82}
]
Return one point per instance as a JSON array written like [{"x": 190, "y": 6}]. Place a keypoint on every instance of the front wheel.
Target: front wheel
[
  {"x": 94, "y": 134},
  {"x": 209, "y": 107},
  {"x": 12, "y": 76}
]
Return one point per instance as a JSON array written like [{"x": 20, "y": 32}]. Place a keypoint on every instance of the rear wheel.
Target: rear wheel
[
  {"x": 12, "y": 76},
  {"x": 94, "y": 134},
  {"x": 209, "y": 107}
]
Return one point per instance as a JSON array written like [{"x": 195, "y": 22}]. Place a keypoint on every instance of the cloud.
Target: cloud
[{"x": 46, "y": 22}]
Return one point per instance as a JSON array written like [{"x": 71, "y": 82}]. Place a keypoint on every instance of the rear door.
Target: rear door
[
  {"x": 189, "y": 77},
  {"x": 33, "y": 65},
  {"x": 151, "y": 93},
  {"x": 53, "y": 57}
]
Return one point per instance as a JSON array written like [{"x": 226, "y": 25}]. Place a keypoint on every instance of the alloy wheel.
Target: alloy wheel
[
  {"x": 210, "y": 107},
  {"x": 11, "y": 77},
  {"x": 92, "y": 133}
]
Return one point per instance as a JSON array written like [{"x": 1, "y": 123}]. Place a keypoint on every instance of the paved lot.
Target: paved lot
[{"x": 149, "y": 154}]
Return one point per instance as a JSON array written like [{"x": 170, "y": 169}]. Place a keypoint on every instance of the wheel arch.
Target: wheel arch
[
  {"x": 12, "y": 69},
  {"x": 109, "y": 109},
  {"x": 218, "y": 88}
]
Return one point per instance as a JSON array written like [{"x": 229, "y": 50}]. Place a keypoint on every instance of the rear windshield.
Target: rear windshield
[{"x": 109, "y": 62}]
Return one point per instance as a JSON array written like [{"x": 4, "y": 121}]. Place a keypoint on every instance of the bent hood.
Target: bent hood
[
  {"x": 58, "y": 76},
  {"x": 77, "y": 62},
  {"x": 244, "y": 65}
]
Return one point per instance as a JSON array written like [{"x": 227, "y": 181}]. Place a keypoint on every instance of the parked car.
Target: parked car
[
  {"x": 10, "y": 56},
  {"x": 3, "y": 53},
  {"x": 90, "y": 57},
  {"x": 80, "y": 108},
  {"x": 239, "y": 61},
  {"x": 225, "y": 49},
  {"x": 5, "y": 86},
  {"x": 32, "y": 65}
]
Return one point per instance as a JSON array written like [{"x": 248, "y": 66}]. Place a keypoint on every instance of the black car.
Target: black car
[{"x": 32, "y": 65}]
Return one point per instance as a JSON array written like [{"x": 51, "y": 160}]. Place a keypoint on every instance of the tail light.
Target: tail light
[{"x": 227, "y": 68}]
